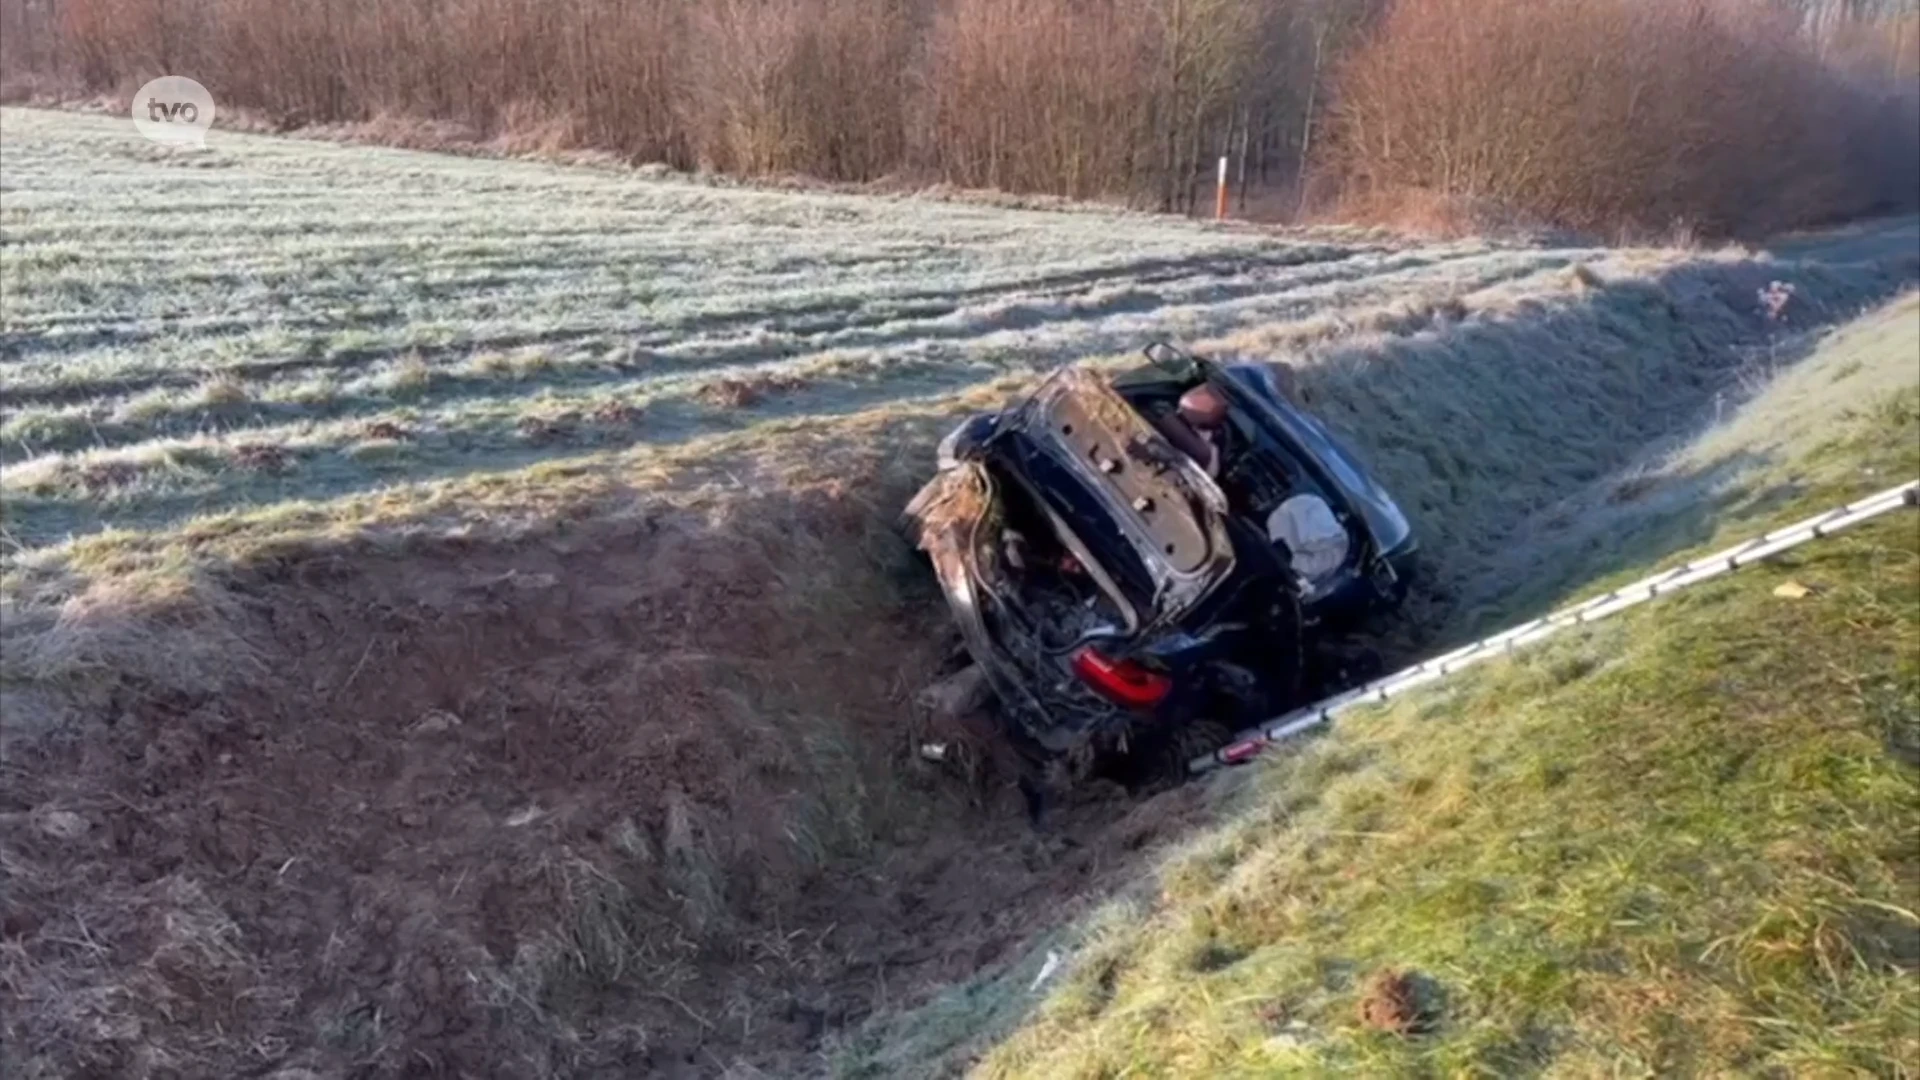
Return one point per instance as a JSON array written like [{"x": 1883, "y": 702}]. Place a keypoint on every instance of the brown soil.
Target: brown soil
[
  {"x": 261, "y": 457},
  {"x": 634, "y": 799},
  {"x": 1390, "y": 1002},
  {"x": 385, "y": 429},
  {"x": 747, "y": 391}
]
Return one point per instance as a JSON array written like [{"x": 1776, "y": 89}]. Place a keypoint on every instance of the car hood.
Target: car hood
[{"x": 1144, "y": 510}]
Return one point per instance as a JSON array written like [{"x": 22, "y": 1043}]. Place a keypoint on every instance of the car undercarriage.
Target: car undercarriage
[{"x": 1130, "y": 582}]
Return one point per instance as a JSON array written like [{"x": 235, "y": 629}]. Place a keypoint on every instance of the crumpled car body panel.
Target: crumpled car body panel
[
  {"x": 1156, "y": 501},
  {"x": 1181, "y": 584}
]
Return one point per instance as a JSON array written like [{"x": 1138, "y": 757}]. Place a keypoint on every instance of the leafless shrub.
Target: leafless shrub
[
  {"x": 536, "y": 75},
  {"x": 1712, "y": 115},
  {"x": 1129, "y": 99},
  {"x": 1035, "y": 95},
  {"x": 801, "y": 86},
  {"x": 1123, "y": 97},
  {"x": 1717, "y": 115}
]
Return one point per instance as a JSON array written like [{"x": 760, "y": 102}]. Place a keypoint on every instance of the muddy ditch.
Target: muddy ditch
[{"x": 636, "y": 800}]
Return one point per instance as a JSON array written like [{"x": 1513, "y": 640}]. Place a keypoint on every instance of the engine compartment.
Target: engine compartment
[{"x": 1048, "y": 601}]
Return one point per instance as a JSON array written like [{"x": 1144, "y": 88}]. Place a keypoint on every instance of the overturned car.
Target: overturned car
[{"x": 1148, "y": 562}]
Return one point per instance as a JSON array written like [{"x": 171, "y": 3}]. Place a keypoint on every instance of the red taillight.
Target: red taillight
[{"x": 1122, "y": 682}]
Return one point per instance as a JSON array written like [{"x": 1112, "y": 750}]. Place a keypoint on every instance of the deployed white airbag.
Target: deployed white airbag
[{"x": 1314, "y": 537}]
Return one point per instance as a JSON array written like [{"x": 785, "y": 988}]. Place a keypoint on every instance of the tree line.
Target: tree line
[{"x": 1585, "y": 112}]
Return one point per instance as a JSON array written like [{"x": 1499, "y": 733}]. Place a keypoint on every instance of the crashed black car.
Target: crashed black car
[{"x": 1153, "y": 559}]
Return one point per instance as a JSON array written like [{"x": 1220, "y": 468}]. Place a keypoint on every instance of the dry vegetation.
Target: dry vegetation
[
  {"x": 451, "y": 615},
  {"x": 377, "y": 317},
  {"x": 1708, "y": 116},
  {"x": 452, "y": 625},
  {"x": 1652, "y": 115},
  {"x": 1129, "y": 99}
]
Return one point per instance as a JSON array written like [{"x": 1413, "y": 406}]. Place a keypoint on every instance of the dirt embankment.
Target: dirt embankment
[{"x": 629, "y": 800}]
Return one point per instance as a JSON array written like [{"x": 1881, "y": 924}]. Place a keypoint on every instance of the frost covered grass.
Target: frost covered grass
[
  {"x": 163, "y": 311},
  {"x": 274, "y": 321},
  {"x": 286, "y": 332}
]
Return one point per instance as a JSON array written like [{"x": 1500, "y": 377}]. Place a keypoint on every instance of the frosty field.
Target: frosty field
[{"x": 269, "y": 320}]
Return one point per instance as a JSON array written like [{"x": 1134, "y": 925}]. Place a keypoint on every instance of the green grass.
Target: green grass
[
  {"x": 1683, "y": 845},
  {"x": 1682, "y": 842},
  {"x": 1827, "y": 429}
]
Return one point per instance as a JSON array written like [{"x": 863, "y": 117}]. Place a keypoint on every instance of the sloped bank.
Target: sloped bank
[
  {"x": 626, "y": 789},
  {"x": 1674, "y": 843}
]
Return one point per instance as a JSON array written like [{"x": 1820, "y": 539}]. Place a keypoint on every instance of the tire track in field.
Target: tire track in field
[
  {"x": 20, "y": 343},
  {"x": 324, "y": 459},
  {"x": 56, "y": 384},
  {"x": 663, "y": 359}
]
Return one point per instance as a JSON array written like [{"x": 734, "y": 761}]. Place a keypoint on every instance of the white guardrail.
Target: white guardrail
[{"x": 1250, "y": 742}]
